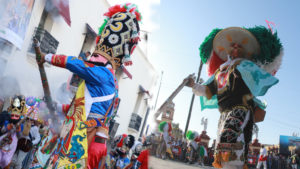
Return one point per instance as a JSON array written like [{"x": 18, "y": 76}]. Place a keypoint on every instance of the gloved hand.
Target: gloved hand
[{"x": 10, "y": 126}]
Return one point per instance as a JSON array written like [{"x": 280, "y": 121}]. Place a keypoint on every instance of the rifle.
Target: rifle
[{"x": 47, "y": 94}]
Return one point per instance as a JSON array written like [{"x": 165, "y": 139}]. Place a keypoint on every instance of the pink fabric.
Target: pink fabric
[
  {"x": 95, "y": 152},
  {"x": 100, "y": 59},
  {"x": 6, "y": 156}
]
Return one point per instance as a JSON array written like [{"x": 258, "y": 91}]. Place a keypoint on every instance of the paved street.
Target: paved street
[{"x": 156, "y": 163}]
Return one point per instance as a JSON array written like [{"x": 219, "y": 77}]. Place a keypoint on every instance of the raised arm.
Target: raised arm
[{"x": 92, "y": 74}]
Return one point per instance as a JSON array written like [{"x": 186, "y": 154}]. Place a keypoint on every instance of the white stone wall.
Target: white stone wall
[{"x": 143, "y": 74}]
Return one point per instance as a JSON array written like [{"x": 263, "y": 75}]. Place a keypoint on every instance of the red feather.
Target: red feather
[
  {"x": 114, "y": 9},
  {"x": 138, "y": 16},
  {"x": 214, "y": 63},
  {"x": 97, "y": 39}
]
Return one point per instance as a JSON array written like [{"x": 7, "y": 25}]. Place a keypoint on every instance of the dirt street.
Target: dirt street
[{"x": 156, "y": 163}]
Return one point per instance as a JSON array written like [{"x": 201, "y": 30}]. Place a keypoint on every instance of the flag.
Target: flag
[{"x": 208, "y": 103}]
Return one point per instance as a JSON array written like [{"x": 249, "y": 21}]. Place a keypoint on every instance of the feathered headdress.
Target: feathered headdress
[
  {"x": 192, "y": 135},
  {"x": 119, "y": 34}
]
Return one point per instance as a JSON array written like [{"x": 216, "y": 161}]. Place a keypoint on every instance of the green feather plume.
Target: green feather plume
[
  {"x": 270, "y": 45},
  {"x": 206, "y": 47},
  {"x": 102, "y": 26},
  {"x": 190, "y": 135},
  {"x": 161, "y": 126}
]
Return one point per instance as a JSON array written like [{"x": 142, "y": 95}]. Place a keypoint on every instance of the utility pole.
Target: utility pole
[{"x": 192, "y": 101}]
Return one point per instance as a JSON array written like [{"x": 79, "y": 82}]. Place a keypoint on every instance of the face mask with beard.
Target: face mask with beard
[{"x": 14, "y": 121}]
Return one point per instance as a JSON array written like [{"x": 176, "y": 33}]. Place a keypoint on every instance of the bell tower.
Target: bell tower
[{"x": 168, "y": 112}]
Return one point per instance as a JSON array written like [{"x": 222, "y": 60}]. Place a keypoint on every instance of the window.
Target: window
[
  {"x": 135, "y": 121},
  {"x": 89, "y": 40},
  {"x": 48, "y": 43},
  {"x": 168, "y": 114}
]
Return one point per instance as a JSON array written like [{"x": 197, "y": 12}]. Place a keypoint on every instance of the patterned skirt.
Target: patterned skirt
[{"x": 232, "y": 144}]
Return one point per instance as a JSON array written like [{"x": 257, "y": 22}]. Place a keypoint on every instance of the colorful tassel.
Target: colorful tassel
[
  {"x": 127, "y": 60},
  {"x": 135, "y": 36},
  {"x": 217, "y": 161}
]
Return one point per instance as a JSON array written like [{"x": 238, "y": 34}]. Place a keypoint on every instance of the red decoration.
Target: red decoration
[
  {"x": 59, "y": 60},
  {"x": 114, "y": 9},
  {"x": 214, "y": 63},
  {"x": 97, "y": 39},
  {"x": 138, "y": 16},
  {"x": 120, "y": 144}
]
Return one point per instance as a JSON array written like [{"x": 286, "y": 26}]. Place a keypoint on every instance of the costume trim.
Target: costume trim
[{"x": 59, "y": 60}]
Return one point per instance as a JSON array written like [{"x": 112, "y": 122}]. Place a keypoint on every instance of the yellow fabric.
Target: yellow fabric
[
  {"x": 76, "y": 111},
  {"x": 27, "y": 127},
  {"x": 170, "y": 152}
]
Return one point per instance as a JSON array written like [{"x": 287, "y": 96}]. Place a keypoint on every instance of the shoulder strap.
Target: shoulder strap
[
  {"x": 30, "y": 136},
  {"x": 107, "y": 111}
]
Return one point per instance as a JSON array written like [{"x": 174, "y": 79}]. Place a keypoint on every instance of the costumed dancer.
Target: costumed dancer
[
  {"x": 9, "y": 139},
  {"x": 262, "y": 157},
  {"x": 140, "y": 158},
  {"x": 119, "y": 149},
  {"x": 165, "y": 146},
  {"x": 33, "y": 105},
  {"x": 242, "y": 63},
  {"x": 92, "y": 106},
  {"x": 202, "y": 154},
  {"x": 192, "y": 136},
  {"x": 28, "y": 137}
]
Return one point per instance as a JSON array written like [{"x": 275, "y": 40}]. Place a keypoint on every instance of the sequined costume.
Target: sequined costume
[
  {"x": 165, "y": 146},
  {"x": 241, "y": 63},
  {"x": 9, "y": 130},
  {"x": 88, "y": 115}
]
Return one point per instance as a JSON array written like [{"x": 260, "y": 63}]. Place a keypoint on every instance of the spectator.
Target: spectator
[
  {"x": 295, "y": 161},
  {"x": 269, "y": 160},
  {"x": 84, "y": 56},
  {"x": 262, "y": 158}
]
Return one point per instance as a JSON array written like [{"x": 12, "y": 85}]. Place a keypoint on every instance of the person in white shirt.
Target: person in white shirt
[
  {"x": 262, "y": 158},
  {"x": 29, "y": 137}
]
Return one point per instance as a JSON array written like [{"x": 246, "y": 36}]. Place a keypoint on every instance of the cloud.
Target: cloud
[{"x": 146, "y": 7}]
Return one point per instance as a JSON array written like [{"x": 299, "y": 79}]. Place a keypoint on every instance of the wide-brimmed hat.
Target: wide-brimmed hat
[
  {"x": 261, "y": 46},
  {"x": 224, "y": 39}
]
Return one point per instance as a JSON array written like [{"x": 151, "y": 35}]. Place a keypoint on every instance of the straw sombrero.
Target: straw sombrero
[
  {"x": 225, "y": 38},
  {"x": 261, "y": 45}
]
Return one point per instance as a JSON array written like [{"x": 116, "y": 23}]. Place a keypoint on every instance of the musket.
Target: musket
[
  {"x": 47, "y": 94},
  {"x": 172, "y": 96}
]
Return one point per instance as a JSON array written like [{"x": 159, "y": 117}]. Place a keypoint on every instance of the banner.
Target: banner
[
  {"x": 63, "y": 9},
  {"x": 288, "y": 144},
  {"x": 14, "y": 19}
]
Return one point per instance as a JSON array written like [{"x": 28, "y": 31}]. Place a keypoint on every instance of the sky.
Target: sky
[{"x": 176, "y": 31}]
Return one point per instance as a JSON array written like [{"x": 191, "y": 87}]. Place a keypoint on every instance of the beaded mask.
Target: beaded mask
[{"x": 119, "y": 34}]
